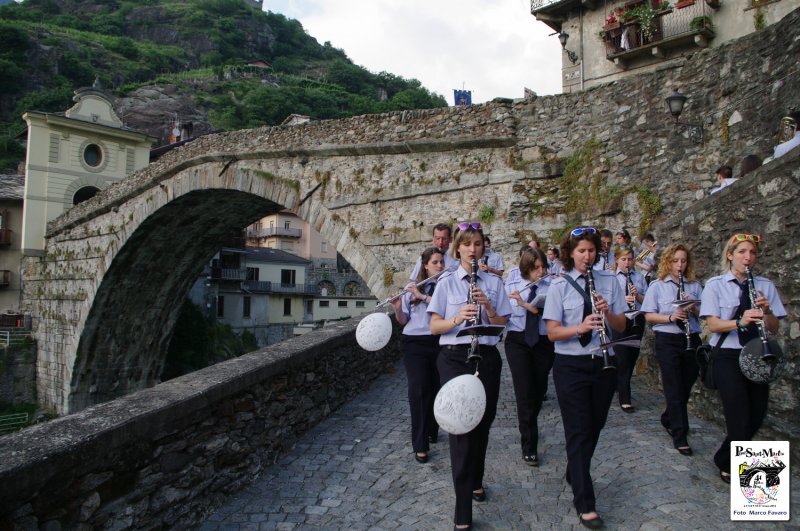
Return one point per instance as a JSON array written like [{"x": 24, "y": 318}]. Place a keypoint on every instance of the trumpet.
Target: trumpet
[
  {"x": 607, "y": 366},
  {"x": 419, "y": 284},
  {"x": 645, "y": 253},
  {"x": 686, "y": 328},
  {"x": 768, "y": 356}
]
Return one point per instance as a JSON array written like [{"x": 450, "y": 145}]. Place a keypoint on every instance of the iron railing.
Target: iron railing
[
  {"x": 258, "y": 286},
  {"x": 274, "y": 231}
]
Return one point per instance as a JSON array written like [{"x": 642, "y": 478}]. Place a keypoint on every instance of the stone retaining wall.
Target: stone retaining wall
[{"x": 167, "y": 456}]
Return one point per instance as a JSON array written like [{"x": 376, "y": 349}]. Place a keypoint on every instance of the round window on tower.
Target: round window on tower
[{"x": 93, "y": 155}]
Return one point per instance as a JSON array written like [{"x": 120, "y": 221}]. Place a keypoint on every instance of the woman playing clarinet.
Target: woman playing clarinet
[
  {"x": 583, "y": 370},
  {"x": 677, "y": 336},
  {"x": 634, "y": 286},
  {"x": 450, "y": 312},
  {"x": 528, "y": 351},
  {"x": 420, "y": 349},
  {"x": 732, "y": 319}
]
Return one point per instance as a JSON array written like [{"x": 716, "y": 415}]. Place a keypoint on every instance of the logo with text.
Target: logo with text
[{"x": 760, "y": 486}]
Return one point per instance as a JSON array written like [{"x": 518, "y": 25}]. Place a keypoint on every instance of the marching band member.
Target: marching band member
[
  {"x": 674, "y": 344},
  {"x": 492, "y": 261},
  {"x": 420, "y": 349},
  {"x": 728, "y": 312},
  {"x": 528, "y": 351},
  {"x": 583, "y": 387},
  {"x": 634, "y": 295},
  {"x": 605, "y": 260},
  {"x": 449, "y": 312},
  {"x": 554, "y": 265},
  {"x": 441, "y": 240},
  {"x": 648, "y": 261}
]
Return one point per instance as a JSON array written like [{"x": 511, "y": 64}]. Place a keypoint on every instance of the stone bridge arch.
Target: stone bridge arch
[{"x": 106, "y": 295}]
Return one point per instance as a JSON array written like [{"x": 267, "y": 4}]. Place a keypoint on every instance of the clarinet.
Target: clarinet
[
  {"x": 631, "y": 288},
  {"x": 602, "y": 332},
  {"x": 474, "y": 352},
  {"x": 682, "y": 296},
  {"x": 768, "y": 356}
]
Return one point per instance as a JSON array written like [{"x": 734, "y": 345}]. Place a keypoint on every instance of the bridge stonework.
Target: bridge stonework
[{"x": 105, "y": 296}]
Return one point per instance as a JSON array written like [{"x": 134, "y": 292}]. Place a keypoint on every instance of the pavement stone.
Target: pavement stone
[{"x": 356, "y": 471}]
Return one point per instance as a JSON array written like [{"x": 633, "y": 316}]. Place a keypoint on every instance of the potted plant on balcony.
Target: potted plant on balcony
[
  {"x": 646, "y": 16},
  {"x": 699, "y": 23},
  {"x": 612, "y": 20}
]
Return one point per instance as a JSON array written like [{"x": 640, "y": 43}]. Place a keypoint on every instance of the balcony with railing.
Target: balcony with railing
[
  {"x": 628, "y": 36},
  {"x": 257, "y": 286},
  {"x": 224, "y": 273},
  {"x": 271, "y": 232}
]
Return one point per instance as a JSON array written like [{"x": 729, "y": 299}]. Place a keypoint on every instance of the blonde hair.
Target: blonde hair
[
  {"x": 665, "y": 264},
  {"x": 464, "y": 236},
  {"x": 731, "y": 246}
]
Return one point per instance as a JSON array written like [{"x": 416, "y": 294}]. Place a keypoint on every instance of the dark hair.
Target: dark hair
[
  {"x": 527, "y": 261},
  {"x": 570, "y": 242},
  {"x": 486, "y": 239},
  {"x": 748, "y": 164},
  {"x": 726, "y": 171},
  {"x": 525, "y": 249},
  {"x": 461, "y": 236},
  {"x": 605, "y": 233},
  {"x": 649, "y": 237},
  {"x": 555, "y": 250},
  {"x": 442, "y": 226},
  {"x": 625, "y": 234},
  {"x": 425, "y": 257}
]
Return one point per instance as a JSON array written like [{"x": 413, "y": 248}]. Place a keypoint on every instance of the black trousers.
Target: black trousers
[
  {"x": 530, "y": 367},
  {"x": 419, "y": 358},
  {"x": 743, "y": 402},
  {"x": 627, "y": 358},
  {"x": 468, "y": 451},
  {"x": 584, "y": 392},
  {"x": 678, "y": 374}
]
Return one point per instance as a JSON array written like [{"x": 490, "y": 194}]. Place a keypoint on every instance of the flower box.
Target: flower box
[
  {"x": 611, "y": 26},
  {"x": 684, "y": 3}
]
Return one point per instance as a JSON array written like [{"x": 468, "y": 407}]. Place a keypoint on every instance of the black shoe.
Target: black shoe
[
  {"x": 479, "y": 496},
  {"x": 724, "y": 476},
  {"x": 421, "y": 458},
  {"x": 531, "y": 460},
  {"x": 594, "y": 523},
  {"x": 685, "y": 451},
  {"x": 456, "y": 528}
]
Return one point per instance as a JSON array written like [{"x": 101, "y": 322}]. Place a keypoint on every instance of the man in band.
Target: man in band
[
  {"x": 605, "y": 260},
  {"x": 441, "y": 240}
]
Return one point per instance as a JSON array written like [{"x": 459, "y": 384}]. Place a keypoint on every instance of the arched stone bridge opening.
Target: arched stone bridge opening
[{"x": 106, "y": 295}]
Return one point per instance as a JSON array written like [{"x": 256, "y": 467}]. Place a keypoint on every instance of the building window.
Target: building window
[
  {"x": 342, "y": 304},
  {"x": 246, "y": 307},
  {"x": 285, "y": 224},
  {"x": 323, "y": 247},
  {"x": 324, "y": 304},
  {"x": 87, "y": 192},
  {"x": 287, "y": 306},
  {"x": 288, "y": 276},
  {"x": 252, "y": 273},
  {"x": 93, "y": 155},
  {"x": 221, "y": 306},
  {"x": 359, "y": 304}
]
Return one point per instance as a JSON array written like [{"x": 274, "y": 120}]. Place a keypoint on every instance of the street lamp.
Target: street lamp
[
  {"x": 562, "y": 38},
  {"x": 675, "y": 103}
]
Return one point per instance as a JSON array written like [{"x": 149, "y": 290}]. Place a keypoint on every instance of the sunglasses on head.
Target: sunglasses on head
[
  {"x": 469, "y": 225},
  {"x": 624, "y": 247},
  {"x": 583, "y": 230},
  {"x": 755, "y": 238}
]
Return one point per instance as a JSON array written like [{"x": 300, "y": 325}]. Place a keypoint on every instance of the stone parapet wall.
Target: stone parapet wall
[
  {"x": 167, "y": 456},
  {"x": 763, "y": 202}
]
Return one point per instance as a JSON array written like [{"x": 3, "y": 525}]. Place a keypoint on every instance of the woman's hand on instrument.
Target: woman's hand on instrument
[
  {"x": 484, "y": 267},
  {"x": 514, "y": 295},
  {"x": 414, "y": 290},
  {"x": 396, "y": 303},
  {"x": 466, "y": 313},
  {"x": 763, "y": 303},
  {"x": 593, "y": 321},
  {"x": 679, "y": 315},
  {"x": 754, "y": 315},
  {"x": 630, "y": 299},
  {"x": 600, "y": 304}
]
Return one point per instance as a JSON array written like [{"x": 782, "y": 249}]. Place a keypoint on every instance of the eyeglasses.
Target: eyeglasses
[
  {"x": 473, "y": 224},
  {"x": 583, "y": 230},
  {"x": 755, "y": 238},
  {"x": 624, "y": 247}
]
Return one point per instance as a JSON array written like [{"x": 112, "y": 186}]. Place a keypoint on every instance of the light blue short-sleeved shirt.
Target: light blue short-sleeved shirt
[
  {"x": 450, "y": 264},
  {"x": 721, "y": 299},
  {"x": 638, "y": 281},
  {"x": 419, "y": 320},
  {"x": 659, "y": 298},
  {"x": 565, "y": 305},
  {"x": 495, "y": 261},
  {"x": 513, "y": 275},
  {"x": 555, "y": 267},
  {"x": 603, "y": 263},
  {"x": 516, "y": 323},
  {"x": 452, "y": 290}
]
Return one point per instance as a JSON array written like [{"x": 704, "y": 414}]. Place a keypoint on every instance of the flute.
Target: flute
[{"x": 419, "y": 284}]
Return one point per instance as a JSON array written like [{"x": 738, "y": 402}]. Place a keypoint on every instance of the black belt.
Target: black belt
[{"x": 464, "y": 348}]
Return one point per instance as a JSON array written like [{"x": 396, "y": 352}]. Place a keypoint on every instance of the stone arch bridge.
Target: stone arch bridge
[{"x": 105, "y": 296}]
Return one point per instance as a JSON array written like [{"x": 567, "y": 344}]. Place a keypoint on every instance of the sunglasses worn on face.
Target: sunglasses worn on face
[
  {"x": 755, "y": 238},
  {"x": 474, "y": 224},
  {"x": 583, "y": 230}
]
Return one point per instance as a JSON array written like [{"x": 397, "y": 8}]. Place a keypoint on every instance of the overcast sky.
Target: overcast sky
[{"x": 492, "y": 47}]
